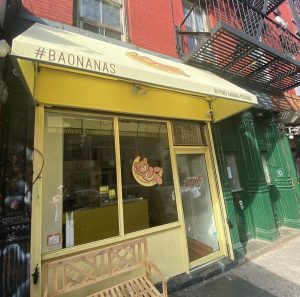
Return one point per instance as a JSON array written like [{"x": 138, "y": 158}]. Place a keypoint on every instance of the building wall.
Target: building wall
[
  {"x": 152, "y": 24},
  {"x": 55, "y": 10},
  {"x": 286, "y": 14}
]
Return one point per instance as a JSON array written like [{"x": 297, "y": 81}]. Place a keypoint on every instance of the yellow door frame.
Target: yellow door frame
[
  {"x": 36, "y": 213},
  {"x": 215, "y": 204}
]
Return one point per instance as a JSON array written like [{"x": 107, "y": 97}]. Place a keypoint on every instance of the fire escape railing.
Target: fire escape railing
[
  {"x": 265, "y": 6},
  {"x": 240, "y": 15}
]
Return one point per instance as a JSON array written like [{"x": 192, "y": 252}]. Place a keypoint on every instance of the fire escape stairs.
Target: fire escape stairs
[
  {"x": 271, "y": 5},
  {"x": 244, "y": 44}
]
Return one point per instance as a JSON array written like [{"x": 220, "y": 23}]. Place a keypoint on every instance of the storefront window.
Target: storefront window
[
  {"x": 147, "y": 181},
  {"x": 80, "y": 201},
  {"x": 79, "y": 189}
]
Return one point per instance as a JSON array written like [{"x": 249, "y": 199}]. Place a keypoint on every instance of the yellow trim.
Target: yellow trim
[
  {"x": 89, "y": 92},
  {"x": 183, "y": 242},
  {"x": 36, "y": 216},
  {"x": 119, "y": 176},
  {"x": 215, "y": 202},
  {"x": 110, "y": 77},
  {"x": 224, "y": 108},
  {"x": 207, "y": 259},
  {"x": 27, "y": 68},
  {"x": 218, "y": 184}
]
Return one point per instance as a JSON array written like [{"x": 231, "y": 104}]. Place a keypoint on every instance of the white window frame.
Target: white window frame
[
  {"x": 122, "y": 30},
  {"x": 202, "y": 12}
]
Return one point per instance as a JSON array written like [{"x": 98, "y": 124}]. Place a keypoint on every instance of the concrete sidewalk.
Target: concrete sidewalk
[
  {"x": 277, "y": 271},
  {"x": 225, "y": 285},
  {"x": 274, "y": 273}
]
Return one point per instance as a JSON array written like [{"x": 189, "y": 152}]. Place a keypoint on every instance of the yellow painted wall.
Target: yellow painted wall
[
  {"x": 27, "y": 70},
  {"x": 61, "y": 88},
  {"x": 224, "y": 108},
  {"x": 167, "y": 251}
]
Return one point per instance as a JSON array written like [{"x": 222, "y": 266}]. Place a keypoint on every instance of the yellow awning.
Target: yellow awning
[{"x": 50, "y": 47}]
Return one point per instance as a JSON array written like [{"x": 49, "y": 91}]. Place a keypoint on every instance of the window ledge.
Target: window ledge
[{"x": 108, "y": 241}]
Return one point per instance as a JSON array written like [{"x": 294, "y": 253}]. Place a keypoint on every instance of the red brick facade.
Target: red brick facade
[
  {"x": 151, "y": 24},
  {"x": 55, "y": 10}
]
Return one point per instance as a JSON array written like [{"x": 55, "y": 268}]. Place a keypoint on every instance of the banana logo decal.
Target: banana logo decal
[
  {"x": 144, "y": 174},
  {"x": 154, "y": 64}
]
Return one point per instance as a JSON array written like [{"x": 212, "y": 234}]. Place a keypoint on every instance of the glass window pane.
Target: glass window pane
[
  {"x": 111, "y": 15},
  {"x": 113, "y": 34},
  {"x": 199, "y": 22},
  {"x": 79, "y": 185},
  {"x": 188, "y": 133},
  {"x": 232, "y": 172},
  {"x": 90, "y": 9},
  {"x": 266, "y": 168},
  {"x": 89, "y": 27},
  {"x": 147, "y": 180},
  {"x": 197, "y": 206}
]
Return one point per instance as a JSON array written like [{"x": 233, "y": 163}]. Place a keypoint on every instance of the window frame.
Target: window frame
[
  {"x": 121, "y": 234},
  {"x": 123, "y": 21},
  {"x": 203, "y": 14}
]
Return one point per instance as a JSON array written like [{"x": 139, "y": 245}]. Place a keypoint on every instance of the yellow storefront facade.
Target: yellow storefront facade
[{"x": 123, "y": 149}]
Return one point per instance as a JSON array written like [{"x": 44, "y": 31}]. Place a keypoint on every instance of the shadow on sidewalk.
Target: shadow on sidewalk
[{"x": 249, "y": 280}]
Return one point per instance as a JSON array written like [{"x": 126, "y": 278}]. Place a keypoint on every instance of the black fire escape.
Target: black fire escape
[
  {"x": 243, "y": 43},
  {"x": 295, "y": 9}
]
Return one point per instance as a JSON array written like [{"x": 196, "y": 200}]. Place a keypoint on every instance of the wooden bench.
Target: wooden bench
[{"x": 105, "y": 264}]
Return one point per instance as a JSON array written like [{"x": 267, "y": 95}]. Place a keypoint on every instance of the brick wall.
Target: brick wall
[
  {"x": 286, "y": 15},
  {"x": 151, "y": 24},
  {"x": 54, "y": 10}
]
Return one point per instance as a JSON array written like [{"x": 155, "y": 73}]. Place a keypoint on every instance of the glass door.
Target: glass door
[{"x": 198, "y": 210}]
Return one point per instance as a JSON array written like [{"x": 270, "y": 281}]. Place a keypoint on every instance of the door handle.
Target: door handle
[{"x": 35, "y": 275}]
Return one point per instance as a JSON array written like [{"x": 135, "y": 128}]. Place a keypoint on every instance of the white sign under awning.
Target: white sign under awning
[{"x": 68, "y": 49}]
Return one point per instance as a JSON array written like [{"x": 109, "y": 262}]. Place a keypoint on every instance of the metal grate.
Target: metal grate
[
  {"x": 239, "y": 58},
  {"x": 271, "y": 5},
  {"x": 244, "y": 44},
  {"x": 188, "y": 133}
]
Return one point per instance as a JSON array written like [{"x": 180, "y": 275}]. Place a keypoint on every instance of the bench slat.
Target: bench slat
[
  {"x": 141, "y": 286},
  {"x": 88, "y": 268},
  {"x": 137, "y": 287}
]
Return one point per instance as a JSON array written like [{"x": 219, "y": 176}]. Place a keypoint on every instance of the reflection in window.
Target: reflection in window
[
  {"x": 198, "y": 212},
  {"x": 266, "y": 168},
  {"x": 102, "y": 17},
  {"x": 147, "y": 181},
  {"x": 232, "y": 172},
  {"x": 188, "y": 133},
  {"x": 195, "y": 22},
  {"x": 79, "y": 189}
]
